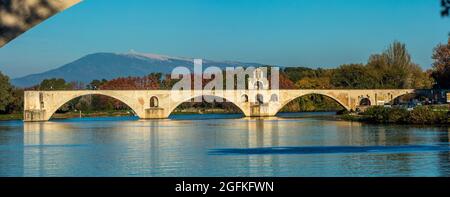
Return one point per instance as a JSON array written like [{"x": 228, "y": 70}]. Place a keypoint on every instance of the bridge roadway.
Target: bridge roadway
[{"x": 154, "y": 104}]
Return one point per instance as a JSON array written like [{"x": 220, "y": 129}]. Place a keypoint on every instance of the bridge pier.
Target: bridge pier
[
  {"x": 34, "y": 115},
  {"x": 154, "y": 113},
  {"x": 261, "y": 110},
  {"x": 257, "y": 110}
]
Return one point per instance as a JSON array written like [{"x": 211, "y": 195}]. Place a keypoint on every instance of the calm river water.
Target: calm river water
[{"x": 221, "y": 145}]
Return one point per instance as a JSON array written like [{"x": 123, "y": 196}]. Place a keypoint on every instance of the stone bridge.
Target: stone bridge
[{"x": 153, "y": 104}]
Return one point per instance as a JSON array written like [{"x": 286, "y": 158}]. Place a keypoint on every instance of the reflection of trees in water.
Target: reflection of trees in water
[
  {"x": 17, "y": 16},
  {"x": 444, "y": 157},
  {"x": 38, "y": 137},
  {"x": 190, "y": 105},
  {"x": 10, "y": 137},
  {"x": 407, "y": 163},
  {"x": 60, "y": 147},
  {"x": 154, "y": 145},
  {"x": 312, "y": 102}
]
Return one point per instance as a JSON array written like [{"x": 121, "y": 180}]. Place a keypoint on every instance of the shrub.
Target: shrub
[
  {"x": 378, "y": 114},
  {"x": 397, "y": 115},
  {"x": 420, "y": 115},
  {"x": 425, "y": 115}
]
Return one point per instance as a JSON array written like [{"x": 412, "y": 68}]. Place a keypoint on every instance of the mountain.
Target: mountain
[{"x": 113, "y": 65}]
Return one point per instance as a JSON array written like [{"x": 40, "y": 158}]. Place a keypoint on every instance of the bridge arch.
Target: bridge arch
[
  {"x": 392, "y": 95},
  {"x": 228, "y": 100},
  {"x": 398, "y": 97},
  {"x": 65, "y": 98},
  {"x": 365, "y": 101},
  {"x": 285, "y": 102}
]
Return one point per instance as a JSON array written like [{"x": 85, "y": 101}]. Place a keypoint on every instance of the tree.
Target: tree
[
  {"x": 314, "y": 83},
  {"x": 420, "y": 79},
  {"x": 353, "y": 76},
  {"x": 167, "y": 83},
  {"x": 285, "y": 82},
  {"x": 54, "y": 84},
  {"x": 16, "y": 105},
  {"x": 298, "y": 73},
  {"x": 149, "y": 82},
  {"x": 5, "y": 92},
  {"x": 95, "y": 84},
  {"x": 399, "y": 62},
  {"x": 395, "y": 69},
  {"x": 441, "y": 65}
]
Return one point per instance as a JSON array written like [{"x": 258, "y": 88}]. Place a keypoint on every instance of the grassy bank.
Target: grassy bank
[
  {"x": 422, "y": 115},
  {"x": 73, "y": 114},
  {"x": 11, "y": 117},
  {"x": 5, "y": 117},
  {"x": 203, "y": 111}
]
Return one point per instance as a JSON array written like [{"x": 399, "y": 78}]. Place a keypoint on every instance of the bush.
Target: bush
[
  {"x": 420, "y": 115},
  {"x": 397, "y": 115},
  {"x": 425, "y": 115},
  {"x": 378, "y": 114},
  {"x": 343, "y": 112}
]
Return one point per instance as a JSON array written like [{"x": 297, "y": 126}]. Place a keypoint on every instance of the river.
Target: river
[{"x": 304, "y": 144}]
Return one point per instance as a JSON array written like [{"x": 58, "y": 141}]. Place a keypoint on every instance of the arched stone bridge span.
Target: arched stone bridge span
[{"x": 152, "y": 104}]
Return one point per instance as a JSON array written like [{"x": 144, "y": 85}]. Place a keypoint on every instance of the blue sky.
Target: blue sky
[{"x": 314, "y": 33}]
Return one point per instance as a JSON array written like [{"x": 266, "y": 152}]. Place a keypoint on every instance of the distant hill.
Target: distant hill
[{"x": 113, "y": 65}]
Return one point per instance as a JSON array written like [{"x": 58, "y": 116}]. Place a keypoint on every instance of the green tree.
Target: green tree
[
  {"x": 16, "y": 106},
  {"x": 314, "y": 83},
  {"x": 353, "y": 76},
  {"x": 421, "y": 80},
  {"x": 395, "y": 69},
  {"x": 95, "y": 84},
  {"x": 399, "y": 62},
  {"x": 54, "y": 84},
  {"x": 6, "y": 97}
]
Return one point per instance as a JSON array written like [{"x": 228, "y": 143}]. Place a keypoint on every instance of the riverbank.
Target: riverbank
[
  {"x": 4, "y": 117},
  {"x": 422, "y": 115},
  {"x": 115, "y": 113},
  {"x": 204, "y": 111},
  {"x": 92, "y": 114}
]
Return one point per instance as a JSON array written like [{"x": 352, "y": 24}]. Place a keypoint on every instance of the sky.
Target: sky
[{"x": 312, "y": 33}]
